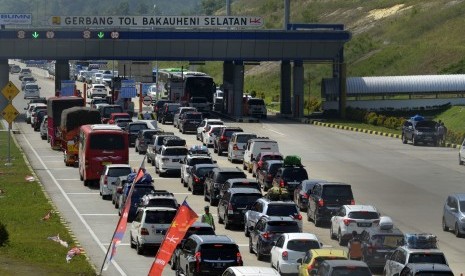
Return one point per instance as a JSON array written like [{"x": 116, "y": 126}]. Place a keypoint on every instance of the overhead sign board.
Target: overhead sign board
[
  {"x": 67, "y": 88},
  {"x": 128, "y": 89},
  {"x": 158, "y": 21},
  {"x": 15, "y": 18}
]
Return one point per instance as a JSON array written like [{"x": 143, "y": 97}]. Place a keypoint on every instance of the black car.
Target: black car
[
  {"x": 189, "y": 121},
  {"x": 290, "y": 177},
  {"x": 222, "y": 139},
  {"x": 144, "y": 136},
  {"x": 267, "y": 231},
  {"x": 197, "y": 174},
  {"x": 138, "y": 192},
  {"x": 267, "y": 172},
  {"x": 133, "y": 129},
  {"x": 325, "y": 199},
  {"x": 239, "y": 183},
  {"x": 215, "y": 180},
  {"x": 39, "y": 116},
  {"x": 158, "y": 106},
  {"x": 234, "y": 203},
  {"x": 167, "y": 112},
  {"x": 198, "y": 228},
  {"x": 208, "y": 255},
  {"x": 424, "y": 131},
  {"x": 303, "y": 190}
]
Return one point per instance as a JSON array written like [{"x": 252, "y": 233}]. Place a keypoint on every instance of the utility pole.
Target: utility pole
[
  {"x": 228, "y": 7},
  {"x": 287, "y": 11}
]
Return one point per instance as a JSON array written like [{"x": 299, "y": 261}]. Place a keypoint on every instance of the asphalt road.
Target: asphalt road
[{"x": 407, "y": 183}]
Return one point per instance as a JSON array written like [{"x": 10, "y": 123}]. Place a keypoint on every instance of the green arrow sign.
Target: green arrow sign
[
  {"x": 100, "y": 35},
  {"x": 35, "y": 34}
]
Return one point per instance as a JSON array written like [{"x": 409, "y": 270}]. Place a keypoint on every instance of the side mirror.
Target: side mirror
[
  {"x": 453, "y": 210},
  {"x": 410, "y": 127},
  {"x": 25, "y": 108},
  {"x": 299, "y": 260},
  {"x": 321, "y": 244},
  {"x": 181, "y": 161},
  {"x": 250, "y": 228}
]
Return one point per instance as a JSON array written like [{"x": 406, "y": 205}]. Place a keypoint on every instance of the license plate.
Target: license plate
[
  {"x": 106, "y": 163},
  {"x": 364, "y": 224},
  {"x": 218, "y": 265},
  {"x": 161, "y": 231},
  {"x": 175, "y": 160}
]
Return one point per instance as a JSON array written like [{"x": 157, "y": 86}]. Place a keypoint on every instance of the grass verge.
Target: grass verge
[{"x": 24, "y": 247}]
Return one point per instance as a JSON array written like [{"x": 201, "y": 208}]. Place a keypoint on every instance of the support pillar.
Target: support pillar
[
  {"x": 238, "y": 88},
  {"x": 61, "y": 72},
  {"x": 298, "y": 95},
  {"x": 4, "y": 78},
  {"x": 228, "y": 80},
  {"x": 285, "y": 97},
  {"x": 343, "y": 91}
]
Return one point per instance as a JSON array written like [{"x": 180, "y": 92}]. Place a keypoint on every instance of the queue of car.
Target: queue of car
[{"x": 274, "y": 227}]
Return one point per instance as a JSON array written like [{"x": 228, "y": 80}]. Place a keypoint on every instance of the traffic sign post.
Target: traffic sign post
[
  {"x": 147, "y": 100},
  {"x": 9, "y": 113}
]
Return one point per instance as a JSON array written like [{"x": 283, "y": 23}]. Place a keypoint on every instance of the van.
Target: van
[
  {"x": 31, "y": 90},
  {"x": 254, "y": 147}
]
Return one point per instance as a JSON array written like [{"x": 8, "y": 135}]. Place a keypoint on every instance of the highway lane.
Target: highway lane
[{"x": 405, "y": 182}]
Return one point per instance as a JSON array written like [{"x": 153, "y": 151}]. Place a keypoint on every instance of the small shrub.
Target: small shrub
[
  {"x": 380, "y": 120},
  {"x": 4, "y": 236},
  {"x": 371, "y": 118}
]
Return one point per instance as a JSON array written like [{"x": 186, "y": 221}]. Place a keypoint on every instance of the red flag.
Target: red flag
[
  {"x": 184, "y": 218},
  {"x": 141, "y": 171}
]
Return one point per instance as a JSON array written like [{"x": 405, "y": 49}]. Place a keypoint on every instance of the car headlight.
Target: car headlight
[
  {"x": 419, "y": 133},
  {"x": 462, "y": 219}
]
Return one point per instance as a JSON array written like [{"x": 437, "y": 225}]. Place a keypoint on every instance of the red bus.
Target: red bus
[
  {"x": 55, "y": 107},
  {"x": 100, "y": 145}
]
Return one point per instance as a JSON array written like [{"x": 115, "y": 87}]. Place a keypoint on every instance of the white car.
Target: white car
[
  {"x": 208, "y": 138},
  {"x": 350, "y": 218},
  {"x": 167, "y": 161},
  {"x": 249, "y": 271},
  {"x": 31, "y": 90},
  {"x": 462, "y": 153},
  {"x": 149, "y": 227},
  {"x": 201, "y": 129},
  {"x": 31, "y": 107},
  {"x": 237, "y": 144},
  {"x": 108, "y": 178},
  {"x": 289, "y": 248},
  {"x": 97, "y": 90}
]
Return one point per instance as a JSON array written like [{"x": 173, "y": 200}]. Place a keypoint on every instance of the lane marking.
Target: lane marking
[
  {"x": 68, "y": 179},
  {"x": 182, "y": 193},
  {"x": 83, "y": 193},
  {"x": 99, "y": 214},
  {"x": 81, "y": 218},
  {"x": 272, "y": 130}
]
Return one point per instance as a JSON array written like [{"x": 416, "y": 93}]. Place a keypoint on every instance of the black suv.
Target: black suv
[
  {"x": 198, "y": 228},
  {"x": 234, "y": 203},
  {"x": 158, "y": 106},
  {"x": 189, "y": 121},
  {"x": 325, "y": 199},
  {"x": 239, "y": 183},
  {"x": 290, "y": 177},
  {"x": 215, "y": 179},
  {"x": 267, "y": 231},
  {"x": 424, "y": 131},
  {"x": 222, "y": 139},
  {"x": 167, "y": 112},
  {"x": 133, "y": 129},
  {"x": 143, "y": 139},
  {"x": 208, "y": 255},
  {"x": 267, "y": 172}
]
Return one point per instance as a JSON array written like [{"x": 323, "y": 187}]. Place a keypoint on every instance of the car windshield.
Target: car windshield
[
  {"x": 243, "y": 200},
  {"x": 282, "y": 210},
  {"x": 337, "y": 191},
  {"x": 363, "y": 215},
  {"x": 139, "y": 192},
  {"x": 175, "y": 151},
  {"x": 219, "y": 251},
  {"x": 351, "y": 271},
  {"x": 387, "y": 241},
  {"x": 462, "y": 206},
  {"x": 115, "y": 172},
  {"x": 296, "y": 174},
  {"x": 282, "y": 226},
  {"x": 302, "y": 245},
  {"x": 107, "y": 142},
  {"x": 161, "y": 217},
  {"x": 427, "y": 258},
  {"x": 162, "y": 202},
  {"x": 245, "y": 138}
]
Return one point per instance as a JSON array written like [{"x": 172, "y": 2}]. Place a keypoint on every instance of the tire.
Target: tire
[
  {"x": 331, "y": 234},
  {"x": 205, "y": 198},
  {"x": 444, "y": 225},
  {"x": 220, "y": 220},
  {"x": 220, "y": 152},
  {"x": 460, "y": 160},
  {"x": 135, "y": 148},
  {"x": 43, "y": 137},
  {"x": 87, "y": 183},
  {"x": 308, "y": 216},
  {"x": 227, "y": 224},
  {"x": 457, "y": 231},
  {"x": 139, "y": 249},
  {"x": 250, "y": 246},
  {"x": 246, "y": 231},
  {"x": 404, "y": 140},
  {"x": 212, "y": 201},
  {"x": 131, "y": 242},
  {"x": 415, "y": 142},
  {"x": 250, "y": 170},
  {"x": 244, "y": 167},
  {"x": 340, "y": 239},
  {"x": 316, "y": 221},
  {"x": 215, "y": 150},
  {"x": 260, "y": 256}
]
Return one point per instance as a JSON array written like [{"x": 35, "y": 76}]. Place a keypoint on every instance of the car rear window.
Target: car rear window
[
  {"x": 222, "y": 177},
  {"x": 199, "y": 231},
  {"x": 107, "y": 142},
  {"x": 351, "y": 271},
  {"x": 272, "y": 157},
  {"x": 302, "y": 245},
  {"x": 242, "y": 200},
  {"x": 173, "y": 107},
  {"x": 196, "y": 161},
  {"x": 298, "y": 174},
  {"x": 282, "y": 210},
  {"x": 253, "y": 185},
  {"x": 203, "y": 171},
  {"x": 387, "y": 241},
  {"x": 229, "y": 132},
  {"x": 175, "y": 151},
  {"x": 337, "y": 191},
  {"x": 161, "y": 217},
  {"x": 160, "y": 140},
  {"x": 255, "y": 102},
  {"x": 162, "y": 202},
  {"x": 139, "y": 192},
  {"x": 274, "y": 168},
  {"x": 219, "y": 250},
  {"x": 107, "y": 111},
  {"x": 149, "y": 134},
  {"x": 216, "y": 130},
  {"x": 282, "y": 226},
  {"x": 137, "y": 127},
  {"x": 363, "y": 215},
  {"x": 427, "y": 258},
  {"x": 116, "y": 172},
  {"x": 245, "y": 138},
  {"x": 196, "y": 116}
]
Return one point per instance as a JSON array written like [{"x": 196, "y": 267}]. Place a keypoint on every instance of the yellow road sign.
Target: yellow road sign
[
  {"x": 9, "y": 113},
  {"x": 10, "y": 91}
]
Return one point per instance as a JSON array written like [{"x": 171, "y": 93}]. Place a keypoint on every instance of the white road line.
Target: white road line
[
  {"x": 68, "y": 179},
  {"x": 119, "y": 244},
  {"x": 243, "y": 244},
  {"x": 81, "y": 218},
  {"x": 83, "y": 194},
  {"x": 182, "y": 193},
  {"x": 99, "y": 214},
  {"x": 277, "y": 132}
]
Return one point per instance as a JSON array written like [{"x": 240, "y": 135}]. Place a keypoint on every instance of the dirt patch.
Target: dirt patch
[
  {"x": 375, "y": 15},
  {"x": 17, "y": 267},
  {"x": 264, "y": 67}
]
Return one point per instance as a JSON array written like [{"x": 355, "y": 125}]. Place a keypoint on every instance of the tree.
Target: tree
[{"x": 209, "y": 7}]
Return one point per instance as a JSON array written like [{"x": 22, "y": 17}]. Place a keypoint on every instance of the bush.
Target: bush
[
  {"x": 371, "y": 118},
  {"x": 380, "y": 120},
  {"x": 4, "y": 236}
]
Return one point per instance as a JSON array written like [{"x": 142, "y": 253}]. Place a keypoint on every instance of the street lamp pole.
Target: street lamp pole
[{"x": 228, "y": 7}]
